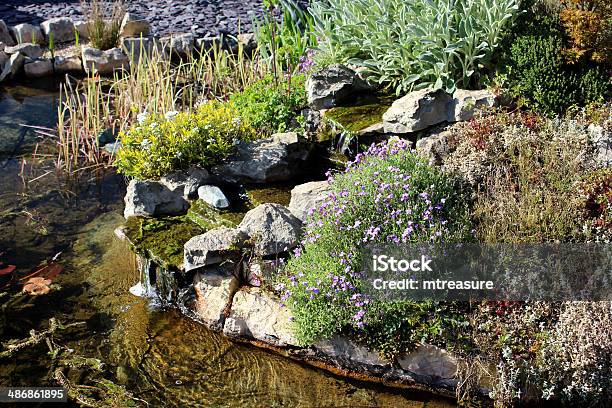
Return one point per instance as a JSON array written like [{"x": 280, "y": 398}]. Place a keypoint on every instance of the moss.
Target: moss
[
  {"x": 280, "y": 194},
  {"x": 363, "y": 114},
  {"x": 207, "y": 217},
  {"x": 162, "y": 239}
]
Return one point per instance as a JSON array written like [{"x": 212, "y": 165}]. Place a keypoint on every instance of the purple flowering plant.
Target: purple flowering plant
[{"x": 387, "y": 194}]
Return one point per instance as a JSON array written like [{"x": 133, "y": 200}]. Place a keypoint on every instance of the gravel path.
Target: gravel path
[{"x": 166, "y": 16}]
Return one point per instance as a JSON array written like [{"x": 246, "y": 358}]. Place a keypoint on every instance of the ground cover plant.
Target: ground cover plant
[
  {"x": 416, "y": 44},
  {"x": 387, "y": 194}
]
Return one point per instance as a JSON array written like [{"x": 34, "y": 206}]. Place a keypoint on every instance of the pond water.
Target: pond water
[{"x": 159, "y": 354}]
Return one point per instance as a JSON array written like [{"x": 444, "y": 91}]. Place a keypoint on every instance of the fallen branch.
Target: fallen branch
[{"x": 35, "y": 338}]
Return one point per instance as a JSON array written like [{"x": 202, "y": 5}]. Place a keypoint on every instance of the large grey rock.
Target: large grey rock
[
  {"x": 62, "y": 29},
  {"x": 273, "y": 228},
  {"x": 278, "y": 158},
  {"x": 12, "y": 66},
  {"x": 3, "y": 58},
  {"x": 27, "y": 49},
  {"x": 601, "y": 140},
  {"x": 213, "y": 196},
  {"x": 430, "y": 361},
  {"x": 179, "y": 44},
  {"x": 5, "y": 36},
  {"x": 417, "y": 111},
  {"x": 333, "y": 85},
  {"x": 82, "y": 27},
  {"x": 345, "y": 351},
  {"x": 104, "y": 62},
  {"x": 187, "y": 181},
  {"x": 248, "y": 41},
  {"x": 134, "y": 25},
  {"x": 212, "y": 289},
  {"x": 27, "y": 33},
  {"x": 257, "y": 315},
  {"x": 140, "y": 47},
  {"x": 67, "y": 65},
  {"x": 465, "y": 103},
  {"x": 308, "y": 196},
  {"x": 38, "y": 68},
  {"x": 212, "y": 247},
  {"x": 151, "y": 198}
]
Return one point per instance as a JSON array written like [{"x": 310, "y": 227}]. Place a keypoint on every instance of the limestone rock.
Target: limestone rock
[
  {"x": 333, "y": 85},
  {"x": 62, "y": 29},
  {"x": 104, "y": 62},
  {"x": 27, "y": 33},
  {"x": 180, "y": 44},
  {"x": 428, "y": 360},
  {"x": 12, "y": 66},
  {"x": 417, "y": 111},
  {"x": 344, "y": 350},
  {"x": 256, "y": 314},
  {"x": 137, "y": 47},
  {"x": 38, "y": 68},
  {"x": 278, "y": 158},
  {"x": 212, "y": 293},
  {"x": 212, "y": 247},
  {"x": 273, "y": 228},
  {"x": 308, "y": 196},
  {"x": 27, "y": 49},
  {"x": 187, "y": 181},
  {"x": 465, "y": 103},
  {"x": 134, "y": 26},
  {"x": 213, "y": 196},
  {"x": 66, "y": 65},
  {"x": 5, "y": 36},
  {"x": 151, "y": 198}
]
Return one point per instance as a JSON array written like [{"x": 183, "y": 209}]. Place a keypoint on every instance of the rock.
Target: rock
[
  {"x": 256, "y": 314},
  {"x": 187, "y": 181},
  {"x": 67, "y": 65},
  {"x": 180, "y": 44},
  {"x": 106, "y": 136},
  {"x": 312, "y": 121},
  {"x": 104, "y": 62},
  {"x": 27, "y": 49},
  {"x": 38, "y": 68},
  {"x": 3, "y": 58},
  {"x": 333, "y": 85},
  {"x": 273, "y": 228},
  {"x": 212, "y": 247},
  {"x": 308, "y": 196},
  {"x": 278, "y": 158},
  {"x": 134, "y": 26},
  {"x": 465, "y": 103},
  {"x": 345, "y": 351},
  {"x": 27, "y": 33},
  {"x": 601, "y": 141},
  {"x": 262, "y": 271},
  {"x": 434, "y": 147},
  {"x": 151, "y": 198},
  {"x": 137, "y": 48},
  {"x": 431, "y": 361},
  {"x": 5, "y": 36},
  {"x": 213, "y": 196},
  {"x": 12, "y": 67},
  {"x": 206, "y": 43},
  {"x": 248, "y": 42},
  {"x": 62, "y": 29},
  {"x": 82, "y": 27},
  {"x": 112, "y": 148},
  {"x": 417, "y": 111},
  {"x": 212, "y": 293}
]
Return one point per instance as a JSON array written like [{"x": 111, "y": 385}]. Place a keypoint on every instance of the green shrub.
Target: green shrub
[
  {"x": 268, "y": 105},
  {"x": 387, "y": 194},
  {"x": 103, "y": 22},
  {"x": 414, "y": 44},
  {"x": 159, "y": 144}
]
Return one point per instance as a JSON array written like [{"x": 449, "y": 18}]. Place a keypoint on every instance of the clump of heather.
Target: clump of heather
[{"x": 386, "y": 195}]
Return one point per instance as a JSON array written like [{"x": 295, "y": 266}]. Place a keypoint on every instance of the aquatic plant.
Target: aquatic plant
[
  {"x": 414, "y": 44},
  {"x": 103, "y": 22},
  {"x": 386, "y": 195}
]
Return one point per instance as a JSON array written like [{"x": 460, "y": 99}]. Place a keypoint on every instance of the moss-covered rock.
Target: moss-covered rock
[
  {"x": 363, "y": 114},
  {"x": 279, "y": 194}
]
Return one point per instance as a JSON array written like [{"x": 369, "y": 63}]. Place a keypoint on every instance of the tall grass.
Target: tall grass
[
  {"x": 104, "y": 20},
  {"x": 153, "y": 85}
]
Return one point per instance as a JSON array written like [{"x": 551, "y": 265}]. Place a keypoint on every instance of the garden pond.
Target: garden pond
[{"x": 156, "y": 352}]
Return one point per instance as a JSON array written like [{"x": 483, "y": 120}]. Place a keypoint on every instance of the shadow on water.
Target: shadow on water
[{"x": 160, "y": 355}]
